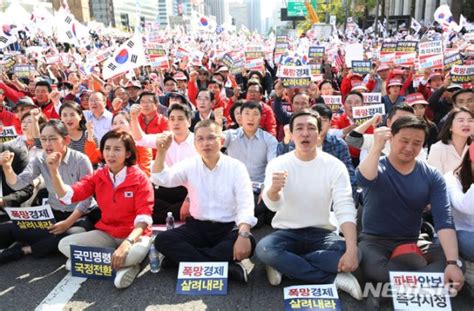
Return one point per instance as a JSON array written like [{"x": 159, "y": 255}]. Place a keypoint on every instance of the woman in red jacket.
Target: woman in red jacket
[{"x": 125, "y": 198}]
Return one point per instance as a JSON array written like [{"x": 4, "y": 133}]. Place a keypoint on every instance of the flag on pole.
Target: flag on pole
[
  {"x": 128, "y": 56},
  {"x": 7, "y": 36},
  {"x": 415, "y": 25},
  {"x": 445, "y": 18}
]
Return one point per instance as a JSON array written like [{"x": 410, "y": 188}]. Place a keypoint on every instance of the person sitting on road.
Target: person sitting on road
[
  {"x": 396, "y": 190},
  {"x": 221, "y": 198},
  {"x": 301, "y": 187},
  {"x": 72, "y": 167},
  {"x": 125, "y": 198}
]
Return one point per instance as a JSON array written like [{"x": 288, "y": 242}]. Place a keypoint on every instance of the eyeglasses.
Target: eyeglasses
[
  {"x": 51, "y": 139},
  {"x": 210, "y": 138}
]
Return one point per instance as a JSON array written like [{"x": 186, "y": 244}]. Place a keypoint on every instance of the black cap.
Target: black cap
[{"x": 461, "y": 91}]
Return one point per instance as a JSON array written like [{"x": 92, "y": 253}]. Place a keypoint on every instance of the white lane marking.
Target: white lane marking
[
  {"x": 45, "y": 276},
  {"x": 6, "y": 291},
  {"x": 61, "y": 294}
]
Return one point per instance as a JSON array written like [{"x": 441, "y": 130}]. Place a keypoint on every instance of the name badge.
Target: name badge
[{"x": 128, "y": 194}]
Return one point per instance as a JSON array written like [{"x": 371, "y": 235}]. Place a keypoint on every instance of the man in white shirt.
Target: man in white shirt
[
  {"x": 221, "y": 198},
  {"x": 98, "y": 115},
  {"x": 301, "y": 187},
  {"x": 174, "y": 199}
]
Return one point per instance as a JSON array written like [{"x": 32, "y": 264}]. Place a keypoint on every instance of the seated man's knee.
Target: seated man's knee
[{"x": 266, "y": 250}]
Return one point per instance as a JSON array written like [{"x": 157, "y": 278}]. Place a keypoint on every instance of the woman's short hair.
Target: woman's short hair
[
  {"x": 128, "y": 142},
  {"x": 41, "y": 119}
]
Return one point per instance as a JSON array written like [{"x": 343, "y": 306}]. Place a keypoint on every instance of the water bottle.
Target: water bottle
[
  {"x": 154, "y": 259},
  {"x": 169, "y": 221}
]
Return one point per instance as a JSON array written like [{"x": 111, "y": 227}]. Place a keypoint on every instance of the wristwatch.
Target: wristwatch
[
  {"x": 454, "y": 262},
  {"x": 245, "y": 234},
  {"x": 130, "y": 241}
]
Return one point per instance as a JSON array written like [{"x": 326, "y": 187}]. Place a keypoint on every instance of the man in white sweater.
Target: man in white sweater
[{"x": 301, "y": 186}]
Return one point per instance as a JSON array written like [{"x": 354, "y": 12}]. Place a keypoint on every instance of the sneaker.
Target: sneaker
[
  {"x": 347, "y": 282},
  {"x": 11, "y": 254},
  {"x": 68, "y": 265},
  {"x": 125, "y": 277},
  {"x": 237, "y": 271},
  {"x": 273, "y": 275}
]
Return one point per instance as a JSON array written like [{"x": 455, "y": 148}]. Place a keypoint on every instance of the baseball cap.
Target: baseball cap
[
  {"x": 393, "y": 82},
  {"x": 415, "y": 98}
]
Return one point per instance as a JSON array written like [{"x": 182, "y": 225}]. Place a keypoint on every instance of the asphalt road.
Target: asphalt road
[{"x": 26, "y": 283}]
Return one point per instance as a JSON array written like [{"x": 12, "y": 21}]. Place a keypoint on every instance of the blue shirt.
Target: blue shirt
[
  {"x": 255, "y": 152},
  {"x": 394, "y": 203}
]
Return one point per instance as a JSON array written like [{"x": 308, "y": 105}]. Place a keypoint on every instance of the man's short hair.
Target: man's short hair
[
  {"x": 323, "y": 110},
  {"x": 184, "y": 108},
  {"x": 255, "y": 82},
  {"x": 44, "y": 83},
  {"x": 356, "y": 93},
  {"x": 410, "y": 122},
  {"x": 208, "y": 123},
  {"x": 143, "y": 94},
  {"x": 402, "y": 107},
  {"x": 459, "y": 92},
  {"x": 219, "y": 83},
  {"x": 305, "y": 112},
  {"x": 251, "y": 105}
]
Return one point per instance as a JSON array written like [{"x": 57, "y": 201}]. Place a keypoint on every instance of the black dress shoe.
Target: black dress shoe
[
  {"x": 238, "y": 272},
  {"x": 11, "y": 254}
]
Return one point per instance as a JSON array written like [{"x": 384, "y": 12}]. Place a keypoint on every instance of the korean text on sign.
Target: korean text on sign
[
  {"x": 202, "y": 278},
  {"x": 37, "y": 217},
  {"x": 92, "y": 262},
  {"x": 419, "y": 290},
  {"x": 311, "y": 297}
]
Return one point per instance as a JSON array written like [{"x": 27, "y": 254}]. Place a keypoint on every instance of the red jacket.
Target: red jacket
[
  {"x": 346, "y": 86},
  {"x": 48, "y": 110},
  {"x": 268, "y": 121},
  {"x": 157, "y": 125},
  {"x": 8, "y": 118},
  {"x": 120, "y": 206}
]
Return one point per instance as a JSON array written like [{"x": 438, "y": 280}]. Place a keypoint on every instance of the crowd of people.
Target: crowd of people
[{"x": 229, "y": 152}]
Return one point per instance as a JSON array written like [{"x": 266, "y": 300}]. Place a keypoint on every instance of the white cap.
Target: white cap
[{"x": 170, "y": 214}]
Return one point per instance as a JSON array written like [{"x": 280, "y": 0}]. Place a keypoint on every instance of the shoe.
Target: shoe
[
  {"x": 347, "y": 282},
  {"x": 68, "y": 265},
  {"x": 125, "y": 277},
  {"x": 11, "y": 254},
  {"x": 273, "y": 275},
  {"x": 237, "y": 271}
]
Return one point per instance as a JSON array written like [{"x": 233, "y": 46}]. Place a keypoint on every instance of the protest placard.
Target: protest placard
[
  {"x": 452, "y": 59},
  {"x": 354, "y": 51},
  {"x": 419, "y": 291},
  {"x": 361, "y": 67},
  {"x": 363, "y": 113},
  {"x": 202, "y": 278},
  {"x": 433, "y": 62},
  {"x": 92, "y": 262},
  {"x": 372, "y": 98},
  {"x": 23, "y": 71},
  {"x": 407, "y": 46},
  {"x": 316, "y": 52},
  {"x": 462, "y": 73},
  {"x": 311, "y": 297},
  {"x": 7, "y": 133},
  {"x": 405, "y": 59},
  {"x": 333, "y": 101},
  {"x": 227, "y": 60},
  {"x": 295, "y": 76},
  {"x": 31, "y": 218},
  {"x": 388, "y": 47}
]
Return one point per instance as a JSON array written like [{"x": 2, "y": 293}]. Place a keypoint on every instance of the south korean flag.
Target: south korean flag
[{"x": 128, "y": 56}]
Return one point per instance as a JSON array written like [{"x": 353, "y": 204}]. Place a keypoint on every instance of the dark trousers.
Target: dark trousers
[
  {"x": 42, "y": 242},
  {"x": 168, "y": 200},
  {"x": 198, "y": 241},
  {"x": 263, "y": 214},
  {"x": 376, "y": 253}
]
